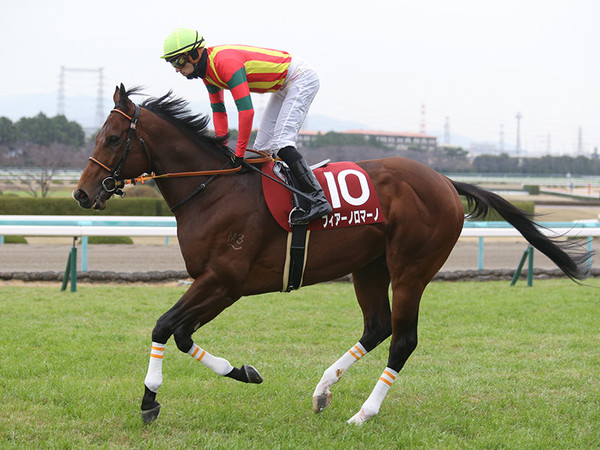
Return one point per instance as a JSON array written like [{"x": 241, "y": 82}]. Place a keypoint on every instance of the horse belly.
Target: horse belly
[{"x": 335, "y": 253}]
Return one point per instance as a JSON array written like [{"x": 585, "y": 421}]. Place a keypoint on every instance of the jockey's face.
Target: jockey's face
[
  {"x": 187, "y": 69},
  {"x": 184, "y": 64}
]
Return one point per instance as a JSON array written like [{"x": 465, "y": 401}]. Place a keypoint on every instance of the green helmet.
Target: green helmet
[{"x": 182, "y": 40}]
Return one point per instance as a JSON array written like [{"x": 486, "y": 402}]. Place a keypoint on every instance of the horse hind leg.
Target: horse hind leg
[
  {"x": 371, "y": 285},
  {"x": 405, "y": 307}
]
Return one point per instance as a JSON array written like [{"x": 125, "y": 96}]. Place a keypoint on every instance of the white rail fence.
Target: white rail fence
[{"x": 81, "y": 227}]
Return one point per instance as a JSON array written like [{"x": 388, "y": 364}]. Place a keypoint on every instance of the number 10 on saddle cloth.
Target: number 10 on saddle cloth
[{"x": 348, "y": 189}]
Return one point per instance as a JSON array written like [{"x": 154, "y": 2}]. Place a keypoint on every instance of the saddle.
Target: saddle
[{"x": 348, "y": 189}]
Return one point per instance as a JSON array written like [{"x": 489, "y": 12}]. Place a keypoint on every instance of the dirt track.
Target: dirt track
[
  {"x": 499, "y": 253},
  {"x": 153, "y": 255}
]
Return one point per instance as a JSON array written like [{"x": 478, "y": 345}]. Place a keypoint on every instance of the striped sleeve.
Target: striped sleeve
[
  {"x": 238, "y": 85},
  {"x": 217, "y": 104}
]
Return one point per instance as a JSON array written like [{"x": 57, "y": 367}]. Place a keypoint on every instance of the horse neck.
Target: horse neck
[{"x": 177, "y": 153}]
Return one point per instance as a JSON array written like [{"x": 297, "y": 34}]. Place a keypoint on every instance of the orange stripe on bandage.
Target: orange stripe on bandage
[
  {"x": 195, "y": 351},
  {"x": 385, "y": 380},
  {"x": 353, "y": 354},
  {"x": 385, "y": 372},
  {"x": 152, "y": 355},
  {"x": 357, "y": 348},
  {"x": 202, "y": 355},
  {"x": 160, "y": 349}
]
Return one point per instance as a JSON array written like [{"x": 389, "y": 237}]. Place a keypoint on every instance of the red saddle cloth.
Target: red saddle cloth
[{"x": 348, "y": 188}]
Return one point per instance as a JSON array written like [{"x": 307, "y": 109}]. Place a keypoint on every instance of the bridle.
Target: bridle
[{"x": 110, "y": 184}]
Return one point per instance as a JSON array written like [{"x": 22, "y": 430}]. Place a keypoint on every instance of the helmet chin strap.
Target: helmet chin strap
[{"x": 199, "y": 63}]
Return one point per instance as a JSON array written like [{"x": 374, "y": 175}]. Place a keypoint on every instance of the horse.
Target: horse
[{"x": 212, "y": 203}]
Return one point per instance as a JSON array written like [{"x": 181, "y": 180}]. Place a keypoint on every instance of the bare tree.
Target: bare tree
[{"x": 38, "y": 165}]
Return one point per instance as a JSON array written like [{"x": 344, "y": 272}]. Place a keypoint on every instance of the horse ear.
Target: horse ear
[
  {"x": 116, "y": 95},
  {"x": 121, "y": 98}
]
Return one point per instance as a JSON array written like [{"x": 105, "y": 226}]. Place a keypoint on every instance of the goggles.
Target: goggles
[{"x": 179, "y": 61}]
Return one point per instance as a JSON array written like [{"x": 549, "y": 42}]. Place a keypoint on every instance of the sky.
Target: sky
[{"x": 470, "y": 65}]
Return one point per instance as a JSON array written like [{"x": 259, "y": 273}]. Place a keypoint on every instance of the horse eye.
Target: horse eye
[{"x": 113, "y": 140}]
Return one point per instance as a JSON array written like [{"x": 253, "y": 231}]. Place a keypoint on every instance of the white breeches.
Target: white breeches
[{"x": 287, "y": 108}]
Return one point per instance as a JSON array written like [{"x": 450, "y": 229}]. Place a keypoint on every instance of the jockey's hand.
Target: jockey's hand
[{"x": 236, "y": 161}]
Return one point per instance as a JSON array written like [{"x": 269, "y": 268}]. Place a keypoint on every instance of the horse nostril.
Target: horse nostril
[{"x": 80, "y": 196}]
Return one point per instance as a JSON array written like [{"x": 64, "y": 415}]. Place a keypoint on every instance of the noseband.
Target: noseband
[{"x": 110, "y": 184}]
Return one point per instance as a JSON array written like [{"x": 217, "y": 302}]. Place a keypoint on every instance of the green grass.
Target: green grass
[
  {"x": 110, "y": 240},
  {"x": 15, "y": 240},
  {"x": 55, "y": 192},
  {"x": 496, "y": 367}
]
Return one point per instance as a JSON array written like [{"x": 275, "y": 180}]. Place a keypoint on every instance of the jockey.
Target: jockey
[{"x": 243, "y": 69}]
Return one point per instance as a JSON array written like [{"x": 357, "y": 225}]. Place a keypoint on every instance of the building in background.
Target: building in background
[{"x": 391, "y": 139}]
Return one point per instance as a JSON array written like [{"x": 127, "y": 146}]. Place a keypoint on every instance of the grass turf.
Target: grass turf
[{"x": 495, "y": 367}]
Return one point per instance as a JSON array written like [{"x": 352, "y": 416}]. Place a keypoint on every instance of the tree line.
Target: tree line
[{"x": 46, "y": 144}]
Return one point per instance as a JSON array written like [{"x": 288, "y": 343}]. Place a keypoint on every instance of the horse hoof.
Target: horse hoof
[
  {"x": 150, "y": 415},
  {"x": 322, "y": 401},
  {"x": 252, "y": 374},
  {"x": 359, "y": 418}
]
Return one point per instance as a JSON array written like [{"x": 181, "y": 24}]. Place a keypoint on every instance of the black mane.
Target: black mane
[{"x": 176, "y": 111}]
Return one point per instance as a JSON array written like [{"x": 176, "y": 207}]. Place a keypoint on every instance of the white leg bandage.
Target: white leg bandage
[
  {"x": 335, "y": 372},
  {"x": 371, "y": 407},
  {"x": 154, "y": 376},
  {"x": 220, "y": 366}
]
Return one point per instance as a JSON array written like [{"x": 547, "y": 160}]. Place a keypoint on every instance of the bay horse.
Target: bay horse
[{"x": 423, "y": 220}]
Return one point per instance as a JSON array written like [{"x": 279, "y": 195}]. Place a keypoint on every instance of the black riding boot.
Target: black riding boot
[{"x": 308, "y": 184}]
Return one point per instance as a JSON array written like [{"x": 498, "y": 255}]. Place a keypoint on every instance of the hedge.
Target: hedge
[
  {"x": 68, "y": 207},
  {"x": 132, "y": 207}
]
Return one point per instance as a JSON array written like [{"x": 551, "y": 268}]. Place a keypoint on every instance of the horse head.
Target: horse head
[{"x": 116, "y": 155}]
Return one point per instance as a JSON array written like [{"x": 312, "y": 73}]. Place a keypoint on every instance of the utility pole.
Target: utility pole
[
  {"x": 100, "y": 113},
  {"x": 447, "y": 131},
  {"x": 60, "y": 107},
  {"x": 519, "y": 116}
]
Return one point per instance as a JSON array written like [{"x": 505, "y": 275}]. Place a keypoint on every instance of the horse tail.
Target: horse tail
[{"x": 570, "y": 257}]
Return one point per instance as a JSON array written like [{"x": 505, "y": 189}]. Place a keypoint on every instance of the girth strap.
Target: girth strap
[{"x": 295, "y": 260}]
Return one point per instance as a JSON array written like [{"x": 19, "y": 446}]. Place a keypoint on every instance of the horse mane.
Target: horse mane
[{"x": 176, "y": 111}]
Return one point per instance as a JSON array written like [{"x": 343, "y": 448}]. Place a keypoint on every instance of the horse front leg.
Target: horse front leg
[{"x": 191, "y": 312}]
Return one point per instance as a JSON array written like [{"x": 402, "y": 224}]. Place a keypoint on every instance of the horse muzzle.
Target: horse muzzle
[
  {"x": 109, "y": 187},
  {"x": 86, "y": 202}
]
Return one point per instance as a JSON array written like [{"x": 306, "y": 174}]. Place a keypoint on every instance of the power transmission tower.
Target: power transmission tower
[
  {"x": 60, "y": 106},
  {"x": 423, "y": 128}
]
